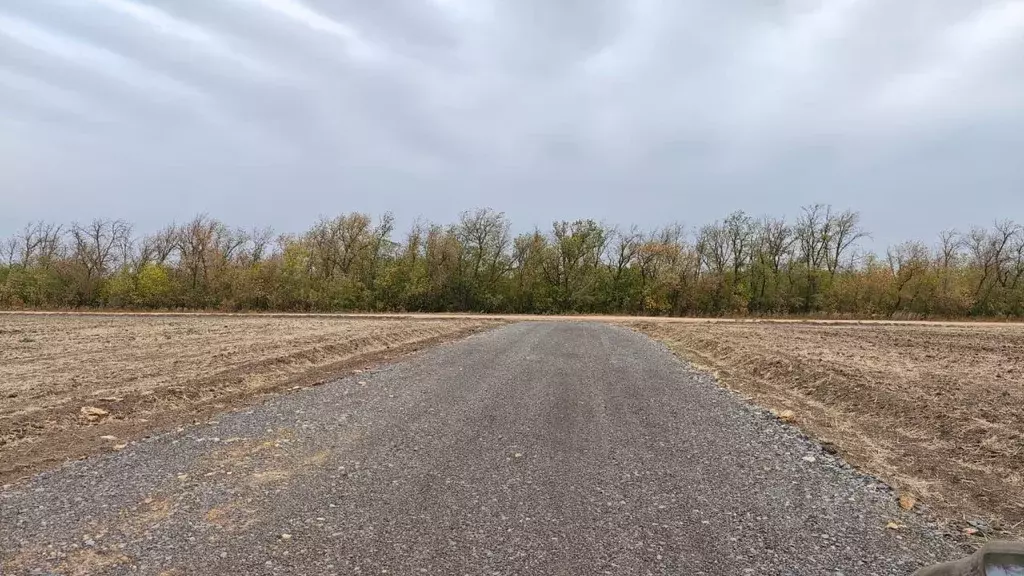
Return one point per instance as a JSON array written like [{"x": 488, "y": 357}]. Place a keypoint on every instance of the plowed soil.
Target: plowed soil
[
  {"x": 153, "y": 372},
  {"x": 938, "y": 411}
]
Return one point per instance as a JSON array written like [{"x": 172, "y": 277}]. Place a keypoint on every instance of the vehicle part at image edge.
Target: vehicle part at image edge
[{"x": 994, "y": 559}]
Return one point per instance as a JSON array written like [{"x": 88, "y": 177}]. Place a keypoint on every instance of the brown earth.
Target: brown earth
[
  {"x": 938, "y": 411},
  {"x": 71, "y": 385}
]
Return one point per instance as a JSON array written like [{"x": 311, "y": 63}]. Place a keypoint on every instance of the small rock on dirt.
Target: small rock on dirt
[
  {"x": 907, "y": 501},
  {"x": 980, "y": 525},
  {"x": 93, "y": 414}
]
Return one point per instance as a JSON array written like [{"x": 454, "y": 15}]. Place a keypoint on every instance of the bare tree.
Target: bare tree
[
  {"x": 442, "y": 254},
  {"x": 229, "y": 245},
  {"x": 339, "y": 244},
  {"x": 622, "y": 254},
  {"x": 261, "y": 243},
  {"x": 989, "y": 254},
  {"x": 659, "y": 254},
  {"x": 485, "y": 235},
  {"x": 982, "y": 254},
  {"x": 950, "y": 245},
  {"x": 28, "y": 242},
  {"x": 39, "y": 244},
  {"x": 577, "y": 250},
  {"x": 354, "y": 234},
  {"x": 623, "y": 249},
  {"x": 713, "y": 242},
  {"x": 1016, "y": 268},
  {"x": 126, "y": 253},
  {"x": 843, "y": 231},
  {"x": 775, "y": 243},
  {"x": 907, "y": 262},
  {"x": 163, "y": 244},
  {"x": 381, "y": 247},
  {"x": 9, "y": 251},
  {"x": 823, "y": 238},
  {"x": 1005, "y": 235},
  {"x": 813, "y": 233},
  {"x": 700, "y": 249},
  {"x": 51, "y": 245},
  {"x": 529, "y": 252},
  {"x": 97, "y": 245},
  {"x": 739, "y": 231},
  {"x": 414, "y": 241},
  {"x": 322, "y": 240},
  {"x": 196, "y": 245}
]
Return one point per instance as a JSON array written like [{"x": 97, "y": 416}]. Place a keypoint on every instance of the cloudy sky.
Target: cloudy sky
[{"x": 627, "y": 111}]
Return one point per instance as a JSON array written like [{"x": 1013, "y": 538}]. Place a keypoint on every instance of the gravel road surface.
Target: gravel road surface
[{"x": 537, "y": 448}]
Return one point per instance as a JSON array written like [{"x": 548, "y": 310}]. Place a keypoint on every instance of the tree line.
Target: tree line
[{"x": 740, "y": 265}]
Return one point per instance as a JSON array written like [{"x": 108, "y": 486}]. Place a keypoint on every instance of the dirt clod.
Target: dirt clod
[{"x": 93, "y": 414}]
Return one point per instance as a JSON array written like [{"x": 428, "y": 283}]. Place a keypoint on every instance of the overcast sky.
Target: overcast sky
[{"x": 627, "y": 111}]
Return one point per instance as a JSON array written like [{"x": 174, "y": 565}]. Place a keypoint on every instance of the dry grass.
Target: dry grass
[
  {"x": 156, "y": 371},
  {"x": 936, "y": 410}
]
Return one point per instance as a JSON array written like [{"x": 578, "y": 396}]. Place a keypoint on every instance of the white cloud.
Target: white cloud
[
  {"x": 466, "y": 11},
  {"x": 358, "y": 47},
  {"x": 641, "y": 31},
  {"x": 991, "y": 27},
  {"x": 188, "y": 32},
  {"x": 101, "y": 61},
  {"x": 66, "y": 101},
  {"x": 973, "y": 73}
]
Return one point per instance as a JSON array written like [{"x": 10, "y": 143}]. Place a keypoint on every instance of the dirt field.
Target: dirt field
[
  {"x": 936, "y": 410},
  {"x": 143, "y": 373}
]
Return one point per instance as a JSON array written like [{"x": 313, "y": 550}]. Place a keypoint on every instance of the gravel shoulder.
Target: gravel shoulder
[{"x": 536, "y": 448}]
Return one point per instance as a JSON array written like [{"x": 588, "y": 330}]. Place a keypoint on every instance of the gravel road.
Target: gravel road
[{"x": 537, "y": 448}]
